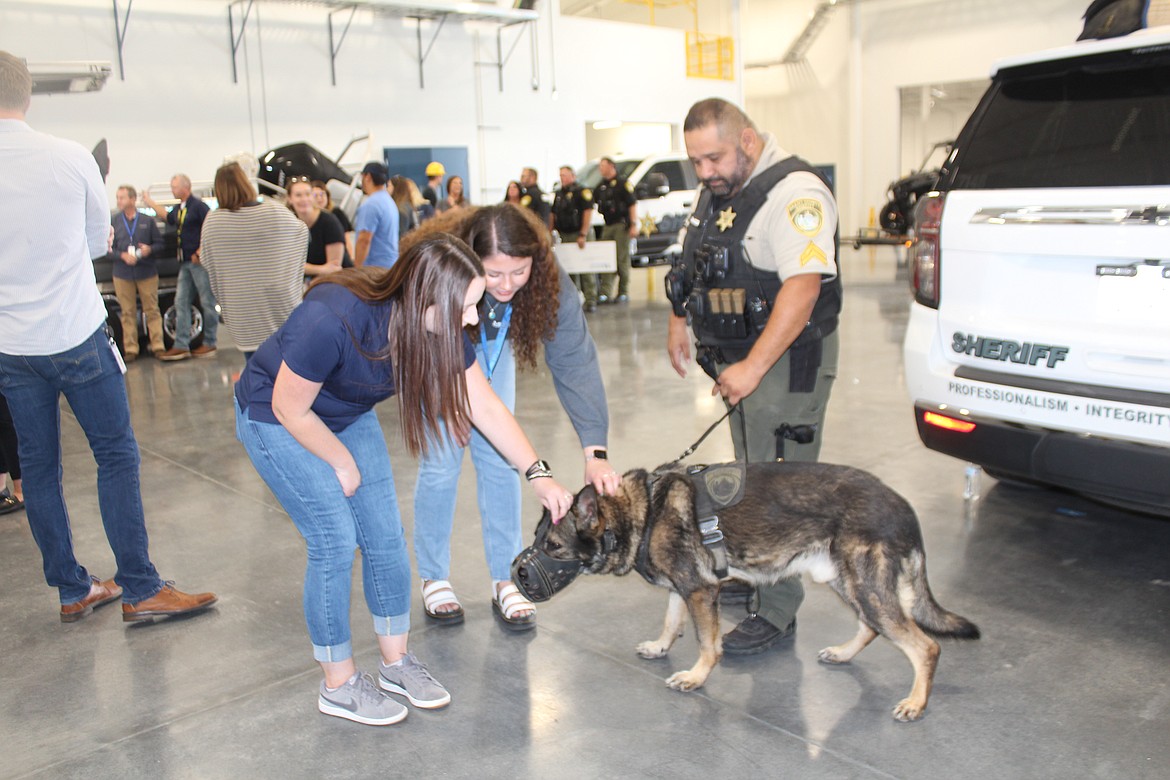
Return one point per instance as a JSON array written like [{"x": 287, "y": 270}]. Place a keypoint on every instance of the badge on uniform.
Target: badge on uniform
[
  {"x": 807, "y": 215},
  {"x": 526, "y": 200},
  {"x": 726, "y": 219}
]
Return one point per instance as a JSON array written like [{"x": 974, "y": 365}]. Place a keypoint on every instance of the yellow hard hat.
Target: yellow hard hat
[{"x": 436, "y": 169}]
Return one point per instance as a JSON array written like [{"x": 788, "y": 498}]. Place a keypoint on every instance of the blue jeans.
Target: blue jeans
[
  {"x": 90, "y": 379},
  {"x": 333, "y": 525},
  {"x": 194, "y": 275},
  {"x": 498, "y": 490}
]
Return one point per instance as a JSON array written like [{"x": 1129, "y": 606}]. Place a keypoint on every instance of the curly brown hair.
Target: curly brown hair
[{"x": 505, "y": 228}]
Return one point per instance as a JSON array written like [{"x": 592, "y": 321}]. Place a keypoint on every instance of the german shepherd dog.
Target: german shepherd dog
[{"x": 840, "y": 524}]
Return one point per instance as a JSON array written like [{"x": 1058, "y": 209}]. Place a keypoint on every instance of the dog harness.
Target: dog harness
[{"x": 716, "y": 487}]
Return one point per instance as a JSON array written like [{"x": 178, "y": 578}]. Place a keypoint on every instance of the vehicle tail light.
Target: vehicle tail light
[
  {"x": 924, "y": 252},
  {"x": 947, "y": 423}
]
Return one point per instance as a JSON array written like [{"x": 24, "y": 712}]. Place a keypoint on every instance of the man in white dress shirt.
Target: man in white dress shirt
[{"x": 53, "y": 342}]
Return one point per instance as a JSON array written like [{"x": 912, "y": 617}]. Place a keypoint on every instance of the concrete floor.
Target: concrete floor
[{"x": 1073, "y": 599}]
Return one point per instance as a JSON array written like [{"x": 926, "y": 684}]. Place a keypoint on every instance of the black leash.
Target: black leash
[{"x": 707, "y": 433}]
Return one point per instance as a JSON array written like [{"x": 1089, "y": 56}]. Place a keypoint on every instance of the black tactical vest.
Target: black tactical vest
[
  {"x": 565, "y": 209},
  {"x": 729, "y": 299}
]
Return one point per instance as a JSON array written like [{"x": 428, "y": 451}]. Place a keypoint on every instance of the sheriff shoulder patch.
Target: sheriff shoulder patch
[
  {"x": 807, "y": 215},
  {"x": 587, "y": 194},
  {"x": 527, "y": 199}
]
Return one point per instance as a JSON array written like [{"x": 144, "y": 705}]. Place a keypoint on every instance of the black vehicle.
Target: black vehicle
[
  {"x": 898, "y": 214},
  {"x": 279, "y": 165},
  {"x": 168, "y": 271}
]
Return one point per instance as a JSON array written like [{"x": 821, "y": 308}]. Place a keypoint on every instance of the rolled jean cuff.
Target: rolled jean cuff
[
  {"x": 333, "y": 653},
  {"x": 395, "y": 625}
]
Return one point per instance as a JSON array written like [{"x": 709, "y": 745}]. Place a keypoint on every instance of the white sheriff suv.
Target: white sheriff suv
[{"x": 1038, "y": 343}]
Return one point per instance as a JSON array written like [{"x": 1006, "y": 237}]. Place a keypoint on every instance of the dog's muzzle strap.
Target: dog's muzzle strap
[{"x": 712, "y": 538}]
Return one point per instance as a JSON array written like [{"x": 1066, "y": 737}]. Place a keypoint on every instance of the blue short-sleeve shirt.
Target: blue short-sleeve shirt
[
  {"x": 378, "y": 216},
  {"x": 331, "y": 338}
]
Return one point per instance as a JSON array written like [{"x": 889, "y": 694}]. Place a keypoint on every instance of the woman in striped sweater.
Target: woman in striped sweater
[{"x": 254, "y": 252}]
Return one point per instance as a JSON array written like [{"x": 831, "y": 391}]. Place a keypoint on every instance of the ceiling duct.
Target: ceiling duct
[{"x": 817, "y": 21}]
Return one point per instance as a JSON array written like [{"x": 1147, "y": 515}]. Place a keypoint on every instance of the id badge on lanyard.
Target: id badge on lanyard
[{"x": 491, "y": 360}]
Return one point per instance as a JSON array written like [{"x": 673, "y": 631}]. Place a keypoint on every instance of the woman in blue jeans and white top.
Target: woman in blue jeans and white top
[
  {"x": 529, "y": 302},
  {"x": 304, "y": 413}
]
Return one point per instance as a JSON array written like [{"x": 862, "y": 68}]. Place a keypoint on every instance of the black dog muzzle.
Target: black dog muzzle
[{"x": 538, "y": 575}]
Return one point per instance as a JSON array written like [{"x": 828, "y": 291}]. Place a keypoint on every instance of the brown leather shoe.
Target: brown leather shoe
[
  {"x": 174, "y": 353},
  {"x": 101, "y": 592},
  {"x": 168, "y": 602},
  {"x": 203, "y": 351}
]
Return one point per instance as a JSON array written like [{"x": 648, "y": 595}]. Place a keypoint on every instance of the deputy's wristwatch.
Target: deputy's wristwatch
[{"x": 598, "y": 454}]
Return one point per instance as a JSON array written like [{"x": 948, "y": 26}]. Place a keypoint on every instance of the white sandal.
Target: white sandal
[
  {"x": 507, "y": 601},
  {"x": 436, "y": 593}
]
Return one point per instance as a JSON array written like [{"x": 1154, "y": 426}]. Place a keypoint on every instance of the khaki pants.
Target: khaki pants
[
  {"x": 621, "y": 234},
  {"x": 128, "y": 291},
  {"x": 763, "y": 412}
]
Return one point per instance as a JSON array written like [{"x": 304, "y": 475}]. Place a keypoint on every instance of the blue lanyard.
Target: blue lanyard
[
  {"x": 131, "y": 228},
  {"x": 502, "y": 334}
]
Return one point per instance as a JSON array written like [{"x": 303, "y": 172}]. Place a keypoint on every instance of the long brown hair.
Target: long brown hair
[
  {"x": 428, "y": 367},
  {"x": 505, "y": 228}
]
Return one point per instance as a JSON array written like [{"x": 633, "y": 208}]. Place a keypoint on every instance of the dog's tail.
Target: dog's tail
[{"x": 927, "y": 613}]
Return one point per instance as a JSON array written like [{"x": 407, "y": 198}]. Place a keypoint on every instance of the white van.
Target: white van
[
  {"x": 1038, "y": 344},
  {"x": 665, "y": 187}
]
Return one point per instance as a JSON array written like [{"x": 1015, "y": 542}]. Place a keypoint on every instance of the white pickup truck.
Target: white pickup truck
[
  {"x": 665, "y": 187},
  {"x": 1038, "y": 343}
]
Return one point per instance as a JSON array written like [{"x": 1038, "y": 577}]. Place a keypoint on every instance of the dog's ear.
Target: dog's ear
[{"x": 585, "y": 509}]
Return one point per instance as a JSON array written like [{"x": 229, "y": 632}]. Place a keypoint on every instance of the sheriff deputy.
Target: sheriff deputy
[
  {"x": 572, "y": 210},
  {"x": 619, "y": 208},
  {"x": 758, "y": 283}
]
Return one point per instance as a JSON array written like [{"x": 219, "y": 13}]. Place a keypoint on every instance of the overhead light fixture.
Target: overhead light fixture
[
  {"x": 49, "y": 78},
  {"x": 607, "y": 124}
]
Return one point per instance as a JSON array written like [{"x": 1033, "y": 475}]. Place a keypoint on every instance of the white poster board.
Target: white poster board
[{"x": 598, "y": 257}]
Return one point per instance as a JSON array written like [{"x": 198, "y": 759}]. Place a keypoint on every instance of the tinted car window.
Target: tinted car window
[
  {"x": 673, "y": 171},
  {"x": 590, "y": 177},
  {"x": 1095, "y": 125}
]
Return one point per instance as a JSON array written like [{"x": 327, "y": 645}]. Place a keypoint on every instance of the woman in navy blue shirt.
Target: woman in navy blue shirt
[{"x": 304, "y": 413}]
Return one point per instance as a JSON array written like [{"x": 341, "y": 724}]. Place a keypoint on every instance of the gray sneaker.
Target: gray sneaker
[
  {"x": 360, "y": 700},
  {"x": 412, "y": 680}
]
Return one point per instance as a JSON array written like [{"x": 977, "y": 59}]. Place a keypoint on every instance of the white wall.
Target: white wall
[
  {"x": 844, "y": 108},
  {"x": 178, "y": 109}
]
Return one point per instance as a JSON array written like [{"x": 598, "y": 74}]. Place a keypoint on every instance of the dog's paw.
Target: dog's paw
[
  {"x": 832, "y": 655},
  {"x": 685, "y": 681},
  {"x": 908, "y": 710},
  {"x": 653, "y": 649}
]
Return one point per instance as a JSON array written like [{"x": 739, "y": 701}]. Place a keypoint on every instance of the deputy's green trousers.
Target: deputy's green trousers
[
  {"x": 619, "y": 233},
  {"x": 586, "y": 283},
  {"x": 753, "y": 433}
]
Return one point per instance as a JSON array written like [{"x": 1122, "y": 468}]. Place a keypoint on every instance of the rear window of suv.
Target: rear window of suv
[{"x": 1095, "y": 122}]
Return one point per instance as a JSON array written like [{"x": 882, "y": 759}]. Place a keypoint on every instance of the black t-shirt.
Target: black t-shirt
[
  {"x": 341, "y": 216},
  {"x": 325, "y": 231}
]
